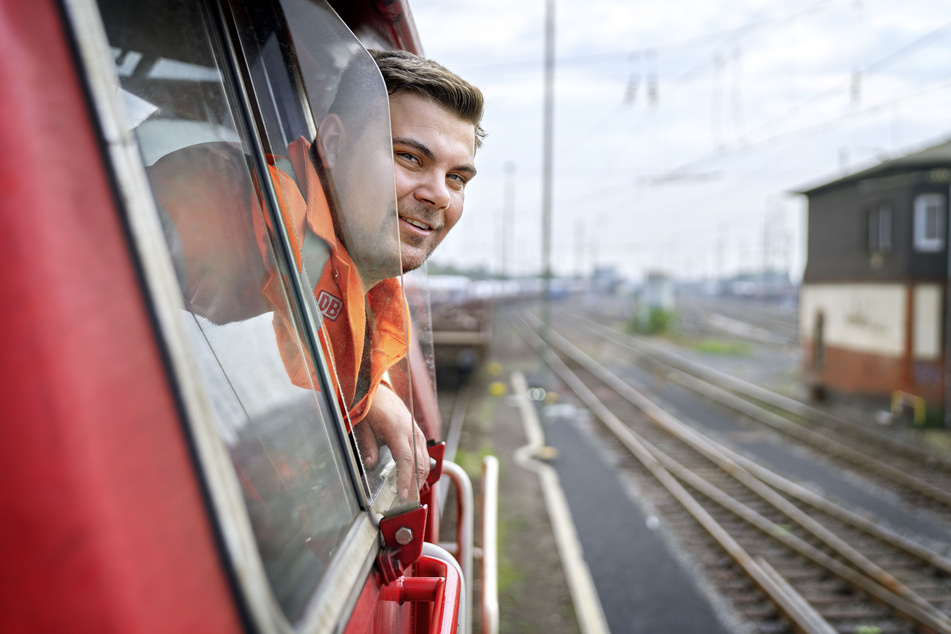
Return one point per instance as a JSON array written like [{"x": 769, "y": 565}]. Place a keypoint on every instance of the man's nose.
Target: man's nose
[{"x": 434, "y": 190}]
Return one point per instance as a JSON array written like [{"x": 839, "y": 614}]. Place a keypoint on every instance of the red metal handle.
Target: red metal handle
[{"x": 436, "y": 583}]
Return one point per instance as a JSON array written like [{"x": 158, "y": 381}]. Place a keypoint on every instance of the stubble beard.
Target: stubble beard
[{"x": 416, "y": 249}]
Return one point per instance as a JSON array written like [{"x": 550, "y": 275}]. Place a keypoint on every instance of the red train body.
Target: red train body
[{"x": 121, "y": 509}]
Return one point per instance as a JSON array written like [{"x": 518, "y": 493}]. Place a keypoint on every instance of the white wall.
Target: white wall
[
  {"x": 928, "y": 323},
  {"x": 871, "y": 317},
  {"x": 861, "y": 317}
]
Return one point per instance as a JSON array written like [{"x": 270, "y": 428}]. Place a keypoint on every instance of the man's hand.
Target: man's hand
[{"x": 391, "y": 422}]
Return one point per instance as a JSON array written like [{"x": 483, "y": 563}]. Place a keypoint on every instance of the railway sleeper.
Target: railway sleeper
[
  {"x": 796, "y": 573},
  {"x": 843, "y": 611},
  {"x": 746, "y": 598},
  {"x": 934, "y": 585},
  {"x": 696, "y": 482},
  {"x": 779, "y": 626},
  {"x": 730, "y": 576},
  {"x": 880, "y": 627},
  {"x": 760, "y": 610},
  {"x": 742, "y": 590}
]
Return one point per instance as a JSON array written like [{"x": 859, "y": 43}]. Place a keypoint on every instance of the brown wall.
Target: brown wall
[{"x": 861, "y": 373}]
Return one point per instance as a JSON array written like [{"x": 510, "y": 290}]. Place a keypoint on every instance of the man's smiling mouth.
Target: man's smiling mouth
[{"x": 419, "y": 224}]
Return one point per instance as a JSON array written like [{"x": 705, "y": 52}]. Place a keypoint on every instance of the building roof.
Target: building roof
[{"x": 931, "y": 157}]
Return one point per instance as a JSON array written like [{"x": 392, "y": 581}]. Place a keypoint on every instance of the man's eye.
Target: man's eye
[
  {"x": 406, "y": 157},
  {"x": 460, "y": 180}
]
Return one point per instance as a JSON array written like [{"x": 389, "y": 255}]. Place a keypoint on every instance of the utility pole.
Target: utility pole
[
  {"x": 947, "y": 333},
  {"x": 547, "y": 165},
  {"x": 764, "y": 271}
]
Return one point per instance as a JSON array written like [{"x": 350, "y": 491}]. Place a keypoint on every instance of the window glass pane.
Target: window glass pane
[
  {"x": 929, "y": 222},
  {"x": 246, "y": 329},
  {"x": 421, "y": 320},
  {"x": 325, "y": 113}
]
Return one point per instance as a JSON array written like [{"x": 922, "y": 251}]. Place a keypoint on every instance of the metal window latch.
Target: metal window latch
[
  {"x": 437, "y": 451},
  {"x": 402, "y": 542},
  {"x": 404, "y": 534}
]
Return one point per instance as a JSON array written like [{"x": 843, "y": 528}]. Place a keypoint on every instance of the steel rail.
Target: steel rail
[
  {"x": 928, "y": 616},
  {"x": 714, "y": 452},
  {"x": 818, "y": 440},
  {"x": 757, "y": 392},
  {"x": 807, "y": 620},
  {"x": 908, "y": 546},
  {"x": 906, "y": 603},
  {"x": 792, "y": 596},
  {"x": 821, "y": 441},
  {"x": 701, "y": 320},
  {"x": 756, "y": 316}
]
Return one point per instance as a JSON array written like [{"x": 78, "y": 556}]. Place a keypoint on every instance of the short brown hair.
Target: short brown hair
[{"x": 403, "y": 71}]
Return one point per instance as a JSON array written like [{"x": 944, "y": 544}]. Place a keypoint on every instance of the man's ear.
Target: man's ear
[{"x": 330, "y": 136}]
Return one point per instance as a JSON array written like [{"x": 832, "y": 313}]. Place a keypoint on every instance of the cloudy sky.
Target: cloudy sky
[{"x": 683, "y": 127}]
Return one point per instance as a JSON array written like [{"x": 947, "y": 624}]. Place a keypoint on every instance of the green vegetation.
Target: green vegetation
[
  {"x": 471, "y": 463},
  {"x": 508, "y": 574},
  {"x": 722, "y": 348},
  {"x": 656, "y": 321}
]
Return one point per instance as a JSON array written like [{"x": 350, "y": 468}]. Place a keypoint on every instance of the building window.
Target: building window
[
  {"x": 929, "y": 222},
  {"x": 880, "y": 228}
]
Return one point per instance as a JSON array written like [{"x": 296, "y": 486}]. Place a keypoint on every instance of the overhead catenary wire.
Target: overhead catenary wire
[
  {"x": 599, "y": 59},
  {"x": 635, "y": 178},
  {"x": 734, "y": 38},
  {"x": 875, "y": 67},
  {"x": 800, "y": 132},
  {"x": 682, "y": 170},
  {"x": 750, "y": 136}
]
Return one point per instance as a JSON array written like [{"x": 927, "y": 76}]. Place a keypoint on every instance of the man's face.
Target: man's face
[{"x": 434, "y": 153}]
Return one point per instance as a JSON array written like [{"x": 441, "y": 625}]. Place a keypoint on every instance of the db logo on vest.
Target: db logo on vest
[{"x": 328, "y": 305}]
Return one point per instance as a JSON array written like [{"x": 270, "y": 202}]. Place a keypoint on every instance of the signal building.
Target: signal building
[{"x": 873, "y": 301}]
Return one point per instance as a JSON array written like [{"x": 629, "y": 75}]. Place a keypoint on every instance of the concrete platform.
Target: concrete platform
[{"x": 643, "y": 585}]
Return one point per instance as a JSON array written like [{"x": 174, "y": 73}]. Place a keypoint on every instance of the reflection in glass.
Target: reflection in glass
[
  {"x": 332, "y": 173},
  {"x": 246, "y": 330}
]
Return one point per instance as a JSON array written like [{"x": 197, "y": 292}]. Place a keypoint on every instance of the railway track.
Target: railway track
[
  {"x": 786, "y": 558},
  {"x": 699, "y": 324},
  {"x": 920, "y": 479},
  {"x": 763, "y": 323}
]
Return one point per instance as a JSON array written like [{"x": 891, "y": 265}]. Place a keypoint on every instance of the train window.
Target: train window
[
  {"x": 929, "y": 222},
  {"x": 323, "y": 110},
  {"x": 248, "y": 330}
]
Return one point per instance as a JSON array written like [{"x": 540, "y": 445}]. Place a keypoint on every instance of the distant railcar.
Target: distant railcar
[
  {"x": 461, "y": 325},
  {"x": 462, "y": 314}
]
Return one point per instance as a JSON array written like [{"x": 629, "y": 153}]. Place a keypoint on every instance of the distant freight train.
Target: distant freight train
[{"x": 462, "y": 313}]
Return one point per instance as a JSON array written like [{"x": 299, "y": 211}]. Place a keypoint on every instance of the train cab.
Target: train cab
[{"x": 204, "y": 305}]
